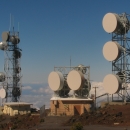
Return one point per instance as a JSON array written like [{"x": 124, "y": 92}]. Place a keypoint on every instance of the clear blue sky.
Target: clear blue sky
[{"x": 53, "y": 30}]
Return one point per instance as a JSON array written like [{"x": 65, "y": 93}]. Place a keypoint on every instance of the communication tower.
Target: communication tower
[
  {"x": 11, "y": 79},
  {"x": 117, "y": 51},
  {"x": 64, "y": 79}
]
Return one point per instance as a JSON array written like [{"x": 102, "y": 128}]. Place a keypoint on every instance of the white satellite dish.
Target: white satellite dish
[
  {"x": 14, "y": 39},
  {"x": 5, "y": 36},
  {"x": 2, "y": 77},
  {"x": 112, "y": 50},
  {"x": 2, "y": 93},
  {"x": 114, "y": 23},
  {"x": 75, "y": 79},
  {"x": 112, "y": 83},
  {"x": 56, "y": 80},
  {"x": 3, "y": 45}
]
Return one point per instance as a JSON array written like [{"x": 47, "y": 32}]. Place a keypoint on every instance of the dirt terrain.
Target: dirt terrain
[
  {"x": 19, "y": 122},
  {"x": 110, "y": 117}
]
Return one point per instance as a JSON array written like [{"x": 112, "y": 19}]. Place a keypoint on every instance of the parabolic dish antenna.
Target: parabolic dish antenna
[
  {"x": 112, "y": 50},
  {"x": 17, "y": 79},
  {"x": 112, "y": 83},
  {"x": 2, "y": 93},
  {"x": 2, "y": 77},
  {"x": 16, "y": 91},
  {"x": 75, "y": 79},
  {"x": 14, "y": 39},
  {"x": 17, "y": 54},
  {"x": 56, "y": 80},
  {"x": 3, "y": 45},
  {"x": 113, "y": 23},
  {"x": 5, "y": 36},
  {"x": 18, "y": 69},
  {"x": 84, "y": 91}
]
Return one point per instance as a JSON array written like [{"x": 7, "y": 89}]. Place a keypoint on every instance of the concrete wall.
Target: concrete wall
[
  {"x": 15, "y": 110},
  {"x": 59, "y": 107},
  {"x": 1, "y": 110}
]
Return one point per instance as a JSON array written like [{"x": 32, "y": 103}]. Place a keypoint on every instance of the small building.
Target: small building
[
  {"x": 70, "y": 106},
  {"x": 15, "y": 108}
]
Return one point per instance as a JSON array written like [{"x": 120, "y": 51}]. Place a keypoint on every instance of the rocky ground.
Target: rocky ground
[
  {"x": 19, "y": 122},
  {"x": 109, "y": 117}
]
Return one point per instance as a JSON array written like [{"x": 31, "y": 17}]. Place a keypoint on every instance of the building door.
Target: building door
[{"x": 77, "y": 110}]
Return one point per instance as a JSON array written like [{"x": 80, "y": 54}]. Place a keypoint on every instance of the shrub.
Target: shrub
[
  {"x": 77, "y": 126},
  {"x": 29, "y": 114},
  {"x": 42, "y": 120},
  {"x": 14, "y": 127}
]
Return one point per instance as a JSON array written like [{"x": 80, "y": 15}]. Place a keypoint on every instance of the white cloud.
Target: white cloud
[
  {"x": 26, "y": 87},
  {"x": 34, "y": 90},
  {"x": 37, "y": 100},
  {"x": 42, "y": 95},
  {"x": 71, "y": 92},
  {"x": 36, "y": 83},
  {"x": 42, "y": 90},
  {"x": 38, "y": 96},
  {"x": 99, "y": 91}
]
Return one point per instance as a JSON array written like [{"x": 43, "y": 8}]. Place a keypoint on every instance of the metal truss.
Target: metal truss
[
  {"x": 12, "y": 83},
  {"x": 77, "y": 93},
  {"x": 121, "y": 66}
]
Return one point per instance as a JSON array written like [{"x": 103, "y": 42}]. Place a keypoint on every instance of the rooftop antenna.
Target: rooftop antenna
[
  {"x": 10, "y": 23},
  {"x": 95, "y": 95},
  {"x": 18, "y": 26},
  {"x": 11, "y": 79},
  {"x": 13, "y": 23}
]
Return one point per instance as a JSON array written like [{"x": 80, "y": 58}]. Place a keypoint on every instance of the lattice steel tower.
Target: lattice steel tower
[
  {"x": 12, "y": 81},
  {"x": 118, "y": 52}
]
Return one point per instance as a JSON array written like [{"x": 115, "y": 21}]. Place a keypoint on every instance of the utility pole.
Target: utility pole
[{"x": 95, "y": 96}]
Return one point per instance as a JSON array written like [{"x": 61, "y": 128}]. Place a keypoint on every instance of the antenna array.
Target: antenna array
[
  {"x": 11, "y": 79},
  {"x": 64, "y": 79},
  {"x": 117, "y": 51}
]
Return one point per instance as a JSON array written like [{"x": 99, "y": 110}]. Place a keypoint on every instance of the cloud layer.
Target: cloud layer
[
  {"x": 37, "y": 94},
  {"x": 40, "y": 94}
]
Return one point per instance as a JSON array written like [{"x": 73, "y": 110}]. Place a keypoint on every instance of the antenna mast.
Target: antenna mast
[
  {"x": 12, "y": 77},
  {"x": 118, "y": 52}
]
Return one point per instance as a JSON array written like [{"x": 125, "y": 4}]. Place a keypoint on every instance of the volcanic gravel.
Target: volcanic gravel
[{"x": 110, "y": 115}]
